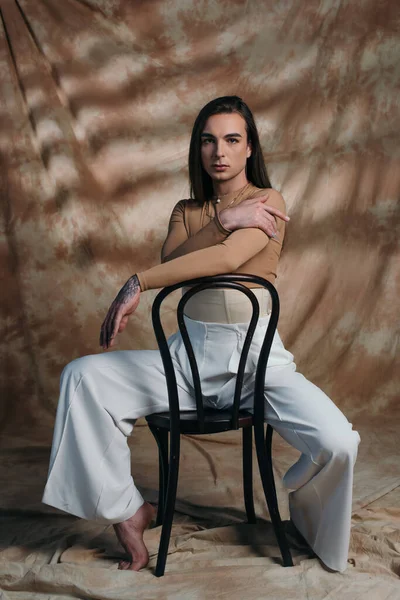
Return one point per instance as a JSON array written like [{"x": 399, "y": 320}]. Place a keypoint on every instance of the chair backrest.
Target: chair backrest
[{"x": 230, "y": 281}]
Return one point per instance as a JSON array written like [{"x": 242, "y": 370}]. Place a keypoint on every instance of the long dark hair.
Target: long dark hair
[{"x": 201, "y": 187}]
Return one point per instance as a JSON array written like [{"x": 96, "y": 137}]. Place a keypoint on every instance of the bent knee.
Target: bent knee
[
  {"x": 340, "y": 445},
  {"x": 79, "y": 366}
]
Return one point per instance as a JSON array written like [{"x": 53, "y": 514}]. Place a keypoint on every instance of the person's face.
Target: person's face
[{"x": 224, "y": 147}]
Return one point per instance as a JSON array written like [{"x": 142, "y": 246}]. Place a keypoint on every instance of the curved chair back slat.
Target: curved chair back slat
[{"x": 230, "y": 281}]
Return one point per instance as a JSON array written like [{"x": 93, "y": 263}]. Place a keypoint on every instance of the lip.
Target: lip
[{"x": 220, "y": 167}]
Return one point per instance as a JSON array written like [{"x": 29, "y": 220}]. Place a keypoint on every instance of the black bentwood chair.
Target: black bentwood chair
[{"x": 205, "y": 421}]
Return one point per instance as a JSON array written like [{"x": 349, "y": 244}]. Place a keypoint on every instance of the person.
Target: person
[{"x": 233, "y": 222}]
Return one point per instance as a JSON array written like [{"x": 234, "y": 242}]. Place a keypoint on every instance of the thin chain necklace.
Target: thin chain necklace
[
  {"x": 206, "y": 209},
  {"x": 240, "y": 192},
  {"x": 218, "y": 198}
]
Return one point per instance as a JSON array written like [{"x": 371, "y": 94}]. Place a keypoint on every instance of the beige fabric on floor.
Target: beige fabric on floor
[
  {"x": 54, "y": 554},
  {"x": 97, "y": 102}
]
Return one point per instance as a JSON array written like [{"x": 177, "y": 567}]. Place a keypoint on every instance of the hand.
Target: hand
[
  {"x": 125, "y": 303},
  {"x": 253, "y": 212}
]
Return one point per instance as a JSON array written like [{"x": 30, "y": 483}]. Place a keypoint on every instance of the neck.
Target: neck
[{"x": 222, "y": 188}]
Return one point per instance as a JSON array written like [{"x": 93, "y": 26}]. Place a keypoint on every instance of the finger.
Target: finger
[
  {"x": 123, "y": 324},
  {"x": 271, "y": 223},
  {"x": 115, "y": 325},
  {"x": 112, "y": 338},
  {"x": 272, "y": 233},
  {"x": 269, "y": 232},
  {"x": 109, "y": 325},
  {"x": 258, "y": 198},
  {"x": 269, "y": 227},
  {"x": 274, "y": 211},
  {"x": 103, "y": 330}
]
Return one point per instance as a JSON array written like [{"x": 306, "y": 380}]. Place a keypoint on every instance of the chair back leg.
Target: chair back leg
[
  {"x": 247, "y": 436},
  {"x": 173, "y": 471},
  {"x": 264, "y": 457},
  {"x": 161, "y": 437}
]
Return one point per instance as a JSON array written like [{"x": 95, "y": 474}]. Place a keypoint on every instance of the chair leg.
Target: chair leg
[
  {"x": 173, "y": 472},
  {"x": 247, "y": 433},
  {"x": 264, "y": 458},
  {"x": 161, "y": 437}
]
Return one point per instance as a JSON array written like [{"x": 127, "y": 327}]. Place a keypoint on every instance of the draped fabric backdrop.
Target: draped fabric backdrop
[{"x": 97, "y": 100}]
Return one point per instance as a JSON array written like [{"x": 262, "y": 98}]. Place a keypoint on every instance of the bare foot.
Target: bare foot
[{"x": 130, "y": 536}]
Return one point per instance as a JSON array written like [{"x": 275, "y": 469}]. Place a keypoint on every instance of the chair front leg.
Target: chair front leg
[
  {"x": 173, "y": 472},
  {"x": 161, "y": 437},
  {"x": 264, "y": 457},
  {"x": 247, "y": 434}
]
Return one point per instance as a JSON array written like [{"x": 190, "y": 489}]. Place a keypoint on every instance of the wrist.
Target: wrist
[{"x": 222, "y": 220}]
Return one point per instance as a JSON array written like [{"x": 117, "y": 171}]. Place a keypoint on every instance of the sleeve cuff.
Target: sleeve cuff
[{"x": 142, "y": 281}]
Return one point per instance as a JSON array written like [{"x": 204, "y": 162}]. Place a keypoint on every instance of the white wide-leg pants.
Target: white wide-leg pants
[{"x": 102, "y": 395}]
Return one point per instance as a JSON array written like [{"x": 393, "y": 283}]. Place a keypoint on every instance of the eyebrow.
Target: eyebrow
[{"x": 228, "y": 135}]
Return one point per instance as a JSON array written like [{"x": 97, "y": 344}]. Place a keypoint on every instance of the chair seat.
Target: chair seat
[{"x": 214, "y": 420}]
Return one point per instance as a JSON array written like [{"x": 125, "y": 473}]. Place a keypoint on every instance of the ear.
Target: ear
[{"x": 249, "y": 149}]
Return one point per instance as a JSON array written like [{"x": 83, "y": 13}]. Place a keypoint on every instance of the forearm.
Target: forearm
[
  {"x": 225, "y": 257},
  {"x": 211, "y": 234},
  {"x": 183, "y": 268}
]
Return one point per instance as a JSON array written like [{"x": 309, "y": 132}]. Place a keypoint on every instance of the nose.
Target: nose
[{"x": 219, "y": 149}]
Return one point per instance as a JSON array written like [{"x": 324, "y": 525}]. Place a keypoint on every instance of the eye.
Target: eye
[
  {"x": 233, "y": 140},
  {"x": 206, "y": 141}
]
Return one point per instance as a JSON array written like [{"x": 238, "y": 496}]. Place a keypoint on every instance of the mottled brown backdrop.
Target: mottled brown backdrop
[{"x": 97, "y": 100}]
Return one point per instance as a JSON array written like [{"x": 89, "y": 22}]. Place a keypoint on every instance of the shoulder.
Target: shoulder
[
  {"x": 178, "y": 210},
  {"x": 186, "y": 204},
  {"x": 181, "y": 206},
  {"x": 184, "y": 209},
  {"x": 275, "y": 198}
]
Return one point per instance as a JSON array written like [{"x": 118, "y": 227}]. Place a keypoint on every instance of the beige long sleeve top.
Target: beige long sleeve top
[{"x": 197, "y": 245}]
